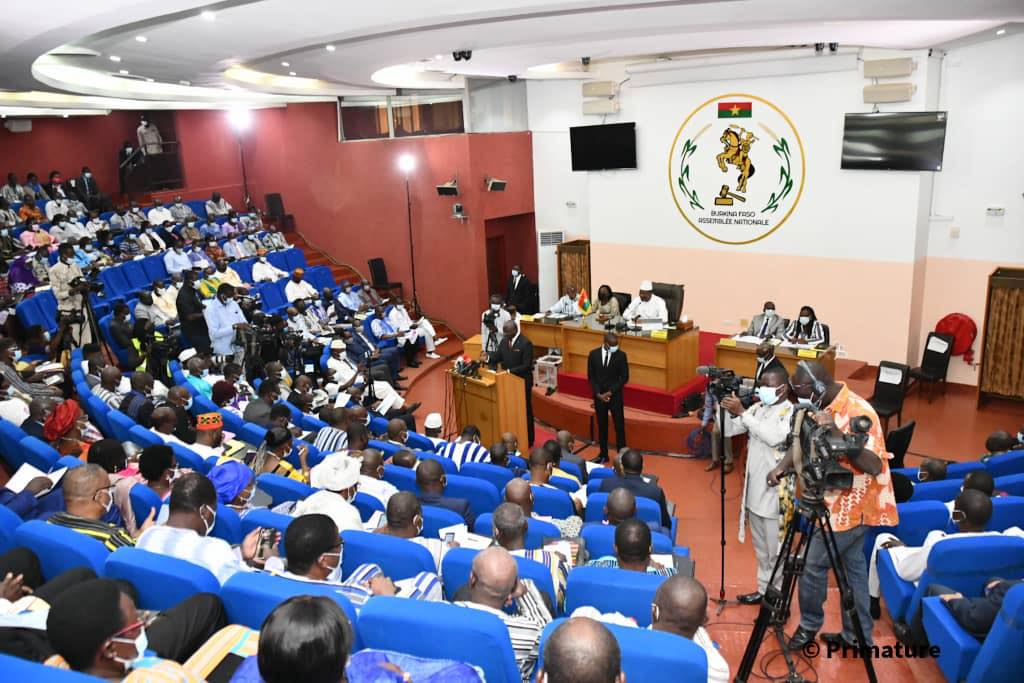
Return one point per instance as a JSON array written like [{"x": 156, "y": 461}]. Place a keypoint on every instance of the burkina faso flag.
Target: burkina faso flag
[
  {"x": 583, "y": 301},
  {"x": 735, "y": 110}
]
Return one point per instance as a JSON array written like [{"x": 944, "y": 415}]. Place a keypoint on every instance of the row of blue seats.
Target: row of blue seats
[
  {"x": 1000, "y": 465},
  {"x": 198, "y": 207},
  {"x": 948, "y": 489}
]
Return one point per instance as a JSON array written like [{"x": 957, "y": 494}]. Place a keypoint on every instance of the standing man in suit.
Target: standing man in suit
[
  {"x": 767, "y": 324},
  {"x": 515, "y": 354},
  {"x": 766, "y": 360},
  {"x": 608, "y": 373},
  {"x": 519, "y": 291}
]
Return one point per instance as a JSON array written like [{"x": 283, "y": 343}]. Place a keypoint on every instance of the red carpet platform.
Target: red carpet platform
[{"x": 634, "y": 395}]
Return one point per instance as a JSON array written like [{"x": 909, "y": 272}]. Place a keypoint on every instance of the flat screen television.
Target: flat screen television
[
  {"x": 894, "y": 141},
  {"x": 600, "y": 148}
]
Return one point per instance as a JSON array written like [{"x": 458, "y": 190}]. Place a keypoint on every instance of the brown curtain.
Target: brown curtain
[{"x": 1003, "y": 363}]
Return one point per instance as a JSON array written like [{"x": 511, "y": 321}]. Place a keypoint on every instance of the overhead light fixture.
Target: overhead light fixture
[
  {"x": 184, "y": 82},
  {"x": 150, "y": 80},
  {"x": 64, "y": 116},
  {"x": 207, "y": 15},
  {"x": 439, "y": 57},
  {"x": 240, "y": 119},
  {"x": 1000, "y": 31},
  {"x": 141, "y": 39},
  {"x": 123, "y": 72},
  {"x": 406, "y": 163},
  {"x": 330, "y": 48},
  {"x": 115, "y": 58},
  {"x": 286, "y": 64},
  {"x": 292, "y": 73}
]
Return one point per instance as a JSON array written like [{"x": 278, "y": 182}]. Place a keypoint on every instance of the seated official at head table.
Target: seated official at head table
[
  {"x": 607, "y": 309},
  {"x": 649, "y": 306},
  {"x": 767, "y": 324},
  {"x": 806, "y": 329},
  {"x": 567, "y": 305}
]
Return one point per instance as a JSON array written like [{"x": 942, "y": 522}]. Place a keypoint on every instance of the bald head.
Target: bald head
[
  {"x": 511, "y": 442},
  {"x": 110, "y": 377},
  {"x": 518, "y": 492},
  {"x": 397, "y": 430},
  {"x": 81, "y": 483},
  {"x": 404, "y": 458},
  {"x": 581, "y": 650},
  {"x": 817, "y": 369},
  {"x": 430, "y": 476},
  {"x": 680, "y": 606},
  {"x": 373, "y": 463},
  {"x": 565, "y": 439},
  {"x": 493, "y": 577},
  {"x": 142, "y": 382},
  {"x": 178, "y": 395},
  {"x": 621, "y": 505},
  {"x": 402, "y": 510},
  {"x": 164, "y": 419}
]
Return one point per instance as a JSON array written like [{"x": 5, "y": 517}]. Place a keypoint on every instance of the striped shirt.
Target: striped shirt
[
  {"x": 33, "y": 389},
  {"x": 612, "y": 562},
  {"x": 111, "y": 398},
  {"x": 524, "y": 627},
  {"x": 211, "y": 553},
  {"x": 465, "y": 451},
  {"x": 112, "y": 537},
  {"x": 423, "y": 586},
  {"x": 331, "y": 440},
  {"x": 555, "y": 564}
]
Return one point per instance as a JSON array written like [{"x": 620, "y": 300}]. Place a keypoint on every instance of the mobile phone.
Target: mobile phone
[
  {"x": 266, "y": 541},
  {"x": 449, "y": 537}
]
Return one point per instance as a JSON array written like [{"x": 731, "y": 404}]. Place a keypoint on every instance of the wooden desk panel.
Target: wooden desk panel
[
  {"x": 495, "y": 403},
  {"x": 742, "y": 358}
]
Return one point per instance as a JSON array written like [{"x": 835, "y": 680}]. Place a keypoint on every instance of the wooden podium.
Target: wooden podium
[{"x": 495, "y": 403}]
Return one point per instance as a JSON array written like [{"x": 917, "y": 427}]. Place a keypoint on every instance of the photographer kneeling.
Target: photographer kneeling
[
  {"x": 764, "y": 508},
  {"x": 868, "y": 502}
]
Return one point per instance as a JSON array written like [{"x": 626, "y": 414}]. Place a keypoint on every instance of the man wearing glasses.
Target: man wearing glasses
[{"x": 88, "y": 498}]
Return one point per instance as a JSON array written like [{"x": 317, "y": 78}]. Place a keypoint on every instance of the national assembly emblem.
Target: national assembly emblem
[{"x": 736, "y": 168}]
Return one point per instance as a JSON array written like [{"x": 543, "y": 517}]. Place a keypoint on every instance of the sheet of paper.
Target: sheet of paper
[
  {"x": 342, "y": 399},
  {"x": 748, "y": 338},
  {"x": 938, "y": 345},
  {"x": 464, "y": 538},
  {"x": 563, "y": 548},
  {"x": 27, "y": 473},
  {"x": 375, "y": 521},
  {"x": 388, "y": 403},
  {"x": 664, "y": 559},
  {"x": 651, "y": 325},
  {"x": 794, "y": 345},
  {"x": 890, "y": 376},
  {"x": 49, "y": 367},
  {"x": 556, "y": 316},
  {"x": 53, "y": 379}
]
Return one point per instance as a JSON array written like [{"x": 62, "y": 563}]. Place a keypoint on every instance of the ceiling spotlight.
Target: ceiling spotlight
[
  {"x": 292, "y": 73},
  {"x": 207, "y": 15},
  {"x": 184, "y": 82},
  {"x": 833, "y": 47},
  {"x": 406, "y": 163},
  {"x": 150, "y": 80},
  {"x": 819, "y": 48},
  {"x": 115, "y": 58},
  {"x": 286, "y": 64},
  {"x": 64, "y": 116},
  {"x": 438, "y": 57},
  {"x": 123, "y": 72},
  {"x": 330, "y": 48},
  {"x": 240, "y": 119},
  {"x": 1000, "y": 31},
  {"x": 141, "y": 39}
]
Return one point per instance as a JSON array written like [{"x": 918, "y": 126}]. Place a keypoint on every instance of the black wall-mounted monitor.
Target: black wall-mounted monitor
[
  {"x": 601, "y": 148},
  {"x": 894, "y": 141}
]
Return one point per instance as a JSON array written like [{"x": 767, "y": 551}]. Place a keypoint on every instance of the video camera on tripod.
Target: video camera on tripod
[
  {"x": 490, "y": 319},
  {"x": 816, "y": 461},
  {"x": 725, "y": 382},
  {"x": 86, "y": 285}
]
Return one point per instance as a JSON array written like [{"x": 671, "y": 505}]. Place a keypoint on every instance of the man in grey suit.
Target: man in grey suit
[{"x": 768, "y": 324}]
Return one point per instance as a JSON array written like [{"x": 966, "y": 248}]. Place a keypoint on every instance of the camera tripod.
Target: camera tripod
[{"x": 775, "y": 607}]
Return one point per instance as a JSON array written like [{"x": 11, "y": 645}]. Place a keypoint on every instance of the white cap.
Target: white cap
[
  {"x": 337, "y": 345},
  {"x": 433, "y": 421},
  {"x": 187, "y": 354},
  {"x": 336, "y": 473},
  {"x": 646, "y": 286}
]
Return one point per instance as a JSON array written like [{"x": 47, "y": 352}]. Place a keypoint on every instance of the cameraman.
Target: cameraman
[
  {"x": 224, "y": 320},
  {"x": 69, "y": 287},
  {"x": 492, "y": 322},
  {"x": 869, "y": 502},
  {"x": 762, "y": 508}
]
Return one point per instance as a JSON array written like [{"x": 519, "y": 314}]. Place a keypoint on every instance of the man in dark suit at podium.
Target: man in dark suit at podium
[
  {"x": 515, "y": 354},
  {"x": 520, "y": 291},
  {"x": 608, "y": 373}
]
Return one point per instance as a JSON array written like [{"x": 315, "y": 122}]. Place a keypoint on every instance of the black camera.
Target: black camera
[
  {"x": 490, "y": 319},
  {"x": 822, "y": 446},
  {"x": 725, "y": 383},
  {"x": 91, "y": 285},
  {"x": 71, "y": 318}
]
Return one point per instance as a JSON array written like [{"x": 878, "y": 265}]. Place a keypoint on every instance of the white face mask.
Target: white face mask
[
  {"x": 141, "y": 643},
  {"x": 515, "y": 273},
  {"x": 213, "y": 521},
  {"x": 804, "y": 319},
  {"x": 768, "y": 395},
  {"x": 495, "y": 307},
  {"x": 613, "y": 349},
  {"x": 770, "y": 312},
  {"x": 335, "y": 575}
]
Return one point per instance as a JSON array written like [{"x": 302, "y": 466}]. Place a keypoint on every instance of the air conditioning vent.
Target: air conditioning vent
[{"x": 550, "y": 239}]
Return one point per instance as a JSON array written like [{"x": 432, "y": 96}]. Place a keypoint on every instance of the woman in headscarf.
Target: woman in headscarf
[
  {"x": 63, "y": 429},
  {"x": 225, "y": 396},
  {"x": 20, "y": 276},
  {"x": 234, "y": 483},
  {"x": 270, "y": 458}
]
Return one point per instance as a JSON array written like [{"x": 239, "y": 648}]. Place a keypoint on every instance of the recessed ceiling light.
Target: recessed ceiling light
[
  {"x": 64, "y": 115},
  {"x": 291, "y": 73},
  {"x": 115, "y": 58},
  {"x": 184, "y": 82},
  {"x": 438, "y": 56},
  {"x": 1000, "y": 31},
  {"x": 207, "y": 15},
  {"x": 150, "y": 80},
  {"x": 123, "y": 72},
  {"x": 286, "y": 64},
  {"x": 329, "y": 48},
  {"x": 141, "y": 39}
]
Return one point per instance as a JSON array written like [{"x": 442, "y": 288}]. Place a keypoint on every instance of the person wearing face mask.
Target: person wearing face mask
[
  {"x": 467, "y": 448},
  {"x": 264, "y": 271},
  {"x": 90, "y": 191},
  {"x": 191, "y": 312},
  {"x": 58, "y": 206},
  {"x": 224, "y": 319},
  {"x": 158, "y": 468},
  {"x": 608, "y": 374},
  {"x": 806, "y": 329},
  {"x": 150, "y": 140},
  {"x": 176, "y": 260},
  {"x": 348, "y": 297},
  {"x": 165, "y": 421},
  {"x": 33, "y": 388},
  {"x": 870, "y": 501},
  {"x": 182, "y": 212},
  {"x": 217, "y": 206},
  {"x": 932, "y": 469},
  {"x": 492, "y": 321},
  {"x": 519, "y": 291},
  {"x": 64, "y": 430},
  {"x": 179, "y": 400},
  {"x": 566, "y": 306},
  {"x": 273, "y": 451},
  {"x": 272, "y": 239},
  {"x": 88, "y": 496},
  {"x": 337, "y": 477},
  {"x": 764, "y": 509},
  {"x": 404, "y": 515},
  {"x": 186, "y": 535},
  {"x": 767, "y": 324},
  {"x": 158, "y": 213}
]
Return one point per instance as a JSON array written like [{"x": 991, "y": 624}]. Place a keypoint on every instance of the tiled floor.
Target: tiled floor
[{"x": 950, "y": 427}]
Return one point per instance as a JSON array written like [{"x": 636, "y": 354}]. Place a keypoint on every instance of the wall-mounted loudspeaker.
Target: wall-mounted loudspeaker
[
  {"x": 449, "y": 189},
  {"x": 495, "y": 185}
]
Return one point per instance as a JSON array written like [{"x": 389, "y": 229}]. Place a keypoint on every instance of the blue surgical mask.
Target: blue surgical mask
[
  {"x": 613, "y": 349},
  {"x": 769, "y": 312},
  {"x": 768, "y": 395},
  {"x": 804, "y": 319}
]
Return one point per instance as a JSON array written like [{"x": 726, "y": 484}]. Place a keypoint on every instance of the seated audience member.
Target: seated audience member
[
  {"x": 431, "y": 481},
  {"x": 566, "y": 306},
  {"x": 39, "y": 409},
  {"x": 88, "y": 496},
  {"x": 999, "y": 442},
  {"x": 404, "y": 516},
  {"x": 181, "y": 212},
  {"x": 805, "y": 329},
  {"x": 137, "y": 403},
  {"x": 95, "y": 628},
  {"x": 165, "y": 422},
  {"x": 29, "y": 213},
  {"x": 566, "y": 442},
  {"x": 151, "y": 240},
  {"x": 270, "y": 458},
  {"x": 387, "y": 335},
  {"x": 433, "y": 425},
  {"x": 264, "y": 271},
  {"x": 404, "y": 458},
  {"x": 397, "y": 432},
  {"x": 238, "y": 247},
  {"x": 65, "y": 430},
  {"x": 466, "y": 448},
  {"x": 337, "y": 477},
  {"x": 225, "y": 396},
  {"x": 199, "y": 258},
  {"x": 509, "y": 531},
  {"x": 499, "y": 457},
  {"x": 313, "y": 549},
  {"x": 368, "y": 294},
  {"x": 633, "y": 550},
  {"x": 520, "y": 492},
  {"x": 621, "y": 505},
  {"x": 177, "y": 261},
  {"x": 647, "y": 306},
  {"x": 235, "y": 484},
  {"x": 978, "y": 480},
  {"x": 631, "y": 464},
  {"x": 581, "y": 650},
  {"x": 165, "y": 297},
  {"x": 272, "y": 239},
  {"x": 371, "y": 476},
  {"x": 974, "y": 615},
  {"x": 554, "y": 451},
  {"x": 193, "y": 513},
  {"x": 297, "y": 288},
  {"x": 932, "y": 469},
  {"x": 257, "y": 410},
  {"x": 305, "y": 638},
  {"x": 213, "y": 250},
  {"x": 333, "y": 437},
  {"x": 209, "y": 436},
  {"x": 33, "y": 387},
  {"x": 903, "y": 488},
  {"x": 159, "y": 213},
  {"x": 228, "y": 276},
  {"x": 146, "y": 309},
  {"x": 158, "y": 468},
  {"x": 198, "y": 371},
  {"x": 541, "y": 469},
  {"x": 281, "y": 415},
  {"x": 231, "y": 226},
  {"x": 217, "y": 206},
  {"x": 494, "y": 584},
  {"x": 180, "y": 401},
  {"x": 413, "y": 332},
  {"x": 680, "y": 606}
]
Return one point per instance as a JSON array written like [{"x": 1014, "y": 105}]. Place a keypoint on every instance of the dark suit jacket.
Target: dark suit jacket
[
  {"x": 188, "y": 303},
  {"x": 611, "y": 378},
  {"x": 519, "y": 294},
  {"x": 459, "y": 506},
  {"x": 977, "y": 615},
  {"x": 89, "y": 187},
  {"x": 515, "y": 357},
  {"x": 774, "y": 364},
  {"x": 33, "y": 428},
  {"x": 636, "y": 484}
]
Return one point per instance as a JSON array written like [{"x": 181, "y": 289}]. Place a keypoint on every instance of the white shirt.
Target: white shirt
[
  {"x": 158, "y": 214},
  {"x": 344, "y": 514},
  {"x": 652, "y": 309},
  {"x": 378, "y": 488},
  {"x": 299, "y": 290},
  {"x": 264, "y": 271},
  {"x": 206, "y": 551},
  {"x": 768, "y": 427},
  {"x": 565, "y": 306},
  {"x": 177, "y": 262},
  {"x": 204, "y": 451},
  {"x": 343, "y": 368},
  {"x": 718, "y": 668},
  {"x": 221, "y": 320}
]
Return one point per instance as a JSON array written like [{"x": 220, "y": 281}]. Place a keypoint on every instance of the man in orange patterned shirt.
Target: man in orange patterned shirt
[{"x": 869, "y": 502}]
